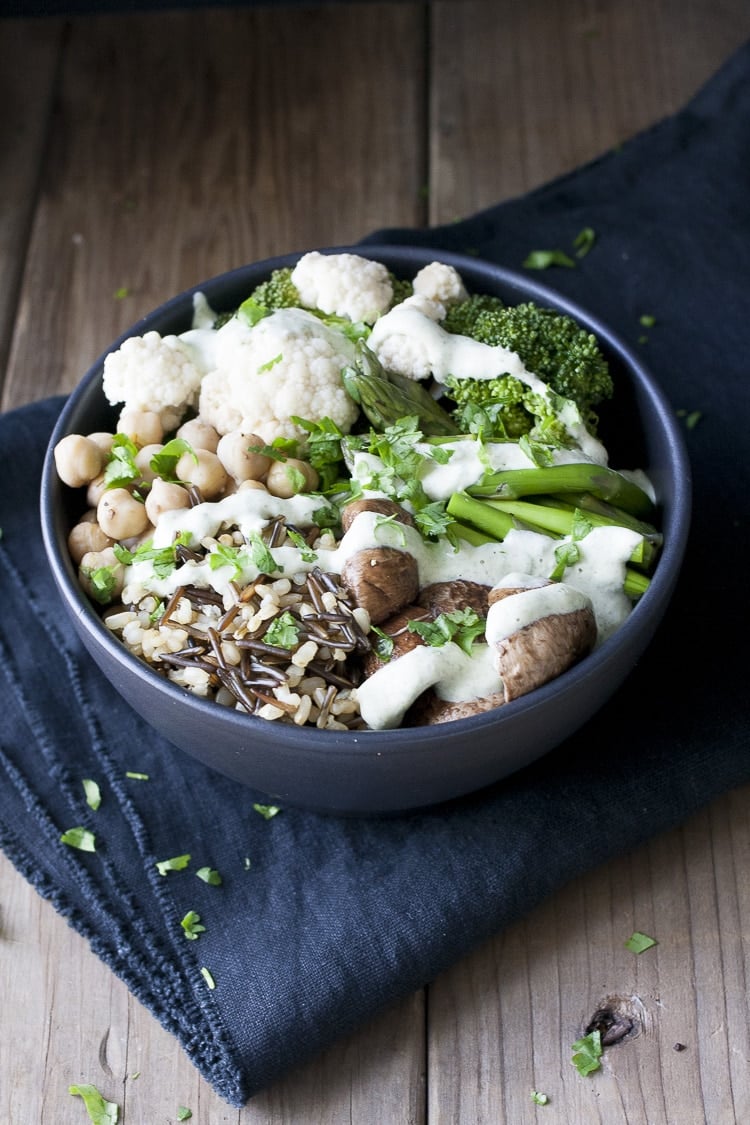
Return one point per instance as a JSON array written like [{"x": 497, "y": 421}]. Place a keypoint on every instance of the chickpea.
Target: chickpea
[
  {"x": 96, "y": 490},
  {"x": 85, "y": 537},
  {"x": 203, "y": 469},
  {"x": 234, "y": 453},
  {"x": 144, "y": 427},
  {"x": 103, "y": 440},
  {"x": 78, "y": 460},
  {"x": 120, "y": 515},
  {"x": 199, "y": 434},
  {"x": 283, "y": 480},
  {"x": 143, "y": 458},
  {"x": 245, "y": 484},
  {"x": 165, "y": 496}
]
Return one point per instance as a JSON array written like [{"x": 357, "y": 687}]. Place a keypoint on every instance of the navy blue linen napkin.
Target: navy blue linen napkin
[{"x": 320, "y": 920}]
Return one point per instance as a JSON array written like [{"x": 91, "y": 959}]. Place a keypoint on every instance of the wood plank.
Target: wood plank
[
  {"x": 528, "y": 92},
  {"x": 239, "y": 134},
  {"x": 29, "y": 52},
  {"x": 223, "y": 136}
]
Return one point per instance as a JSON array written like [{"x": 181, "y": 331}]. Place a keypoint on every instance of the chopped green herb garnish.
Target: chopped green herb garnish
[
  {"x": 191, "y": 924},
  {"x": 93, "y": 793},
  {"x": 209, "y": 875},
  {"x": 224, "y": 555},
  {"x": 164, "y": 463},
  {"x": 283, "y": 631},
  {"x": 136, "y": 776},
  {"x": 162, "y": 559},
  {"x": 543, "y": 259},
  {"x": 647, "y": 320},
  {"x": 538, "y": 1098},
  {"x": 461, "y": 626},
  {"x": 121, "y": 468},
  {"x": 100, "y": 1111},
  {"x": 176, "y": 863},
  {"x": 79, "y": 838},
  {"x": 102, "y": 583},
  {"x": 306, "y": 552},
  {"x": 121, "y": 293},
  {"x": 567, "y": 554},
  {"x": 262, "y": 557},
  {"x": 383, "y": 646},
  {"x": 583, "y": 241},
  {"x": 587, "y": 1052},
  {"x": 267, "y": 811},
  {"x": 638, "y": 942},
  {"x": 207, "y": 977},
  {"x": 183, "y": 1113},
  {"x": 692, "y": 417},
  {"x": 271, "y": 363}
]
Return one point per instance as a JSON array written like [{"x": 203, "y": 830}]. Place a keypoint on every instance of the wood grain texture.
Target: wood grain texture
[{"x": 224, "y": 136}]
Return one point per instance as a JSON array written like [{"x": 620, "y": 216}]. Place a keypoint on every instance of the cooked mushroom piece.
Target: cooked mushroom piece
[
  {"x": 430, "y": 710},
  {"x": 447, "y": 597},
  {"x": 381, "y": 506},
  {"x": 382, "y": 580},
  {"x": 538, "y": 631},
  {"x": 403, "y": 638}
]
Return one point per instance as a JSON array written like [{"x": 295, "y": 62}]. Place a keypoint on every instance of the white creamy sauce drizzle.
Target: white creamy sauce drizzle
[
  {"x": 596, "y": 577},
  {"x": 516, "y": 611},
  {"x": 446, "y": 353},
  {"x": 467, "y": 462},
  {"x": 385, "y": 697}
]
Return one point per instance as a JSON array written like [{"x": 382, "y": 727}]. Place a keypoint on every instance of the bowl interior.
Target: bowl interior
[{"x": 387, "y": 771}]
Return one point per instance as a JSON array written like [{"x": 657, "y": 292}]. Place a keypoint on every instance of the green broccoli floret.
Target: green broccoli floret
[
  {"x": 550, "y": 344},
  {"x": 277, "y": 292},
  {"x": 401, "y": 289},
  {"x": 504, "y": 408},
  {"x": 461, "y": 317}
]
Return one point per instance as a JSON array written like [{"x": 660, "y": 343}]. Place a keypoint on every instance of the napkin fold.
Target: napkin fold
[{"x": 319, "y": 920}]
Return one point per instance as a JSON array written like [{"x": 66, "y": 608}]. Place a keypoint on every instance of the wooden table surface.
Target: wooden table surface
[{"x": 144, "y": 152}]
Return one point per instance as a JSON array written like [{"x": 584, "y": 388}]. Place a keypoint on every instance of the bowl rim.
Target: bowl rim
[{"x": 389, "y": 743}]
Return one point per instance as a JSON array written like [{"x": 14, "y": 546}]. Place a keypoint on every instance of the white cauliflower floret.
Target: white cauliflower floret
[
  {"x": 289, "y": 363},
  {"x": 343, "y": 285},
  {"x": 155, "y": 373},
  {"x": 440, "y": 282}
]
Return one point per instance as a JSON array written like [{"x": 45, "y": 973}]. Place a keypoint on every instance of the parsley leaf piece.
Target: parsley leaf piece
[
  {"x": 271, "y": 363},
  {"x": 583, "y": 241},
  {"x": 223, "y": 555},
  {"x": 539, "y": 1098},
  {"x": 209, "y": 875},
  {"x": 638, "y": 942},
  {"x": 93, "y": 793},
  {"x": 191, "y": 924},
  {"x": 306, "y": 552},
  {"x": 567, "y": 554},
  {"x": 587, "y": 1052},
  {"x": 252, "y": 312},
  {"x": 262, "y": 557},
  {"x": 136, "y": 776},
  {"x": 384, "y": 645},
  {"x": 283, "y": 631},
  {"x": 267, "y": 811},
  {"x": 462, "y": 626},
  {"x": 102, "y": 583},
  {"x": 692, "y": 417},
  {"x": 101, "y": 1112},
  {"x": 543, "y": 259},
  {"x": 183, "y": 1113},
  {"x": 208, "y": 977},
  {"x": 121, "y": 469},
  {"x": 176, "y": 863},
  {"x": 164, "y": 463},
  {"x": 647, "y": 320},
  {"x": 79, "y": 838}
]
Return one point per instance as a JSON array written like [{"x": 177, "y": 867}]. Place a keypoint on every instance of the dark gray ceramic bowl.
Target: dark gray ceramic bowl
[{"x": 386, "y": 771}]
